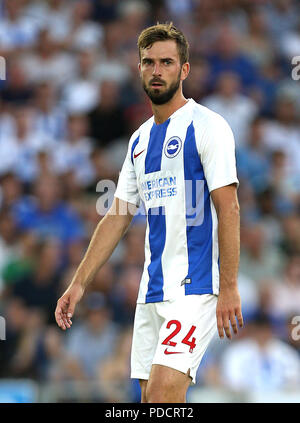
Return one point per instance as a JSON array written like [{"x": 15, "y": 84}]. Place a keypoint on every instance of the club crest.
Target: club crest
[{"x": 172, "y": 147}]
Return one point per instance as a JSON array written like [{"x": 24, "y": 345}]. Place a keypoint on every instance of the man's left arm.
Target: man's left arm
[{"x": 229, "y": 303}]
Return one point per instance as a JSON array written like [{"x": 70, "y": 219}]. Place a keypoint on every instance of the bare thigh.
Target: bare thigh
[
  {"x": 165, "y": 385},
  {"x": 143, "y": 385}
]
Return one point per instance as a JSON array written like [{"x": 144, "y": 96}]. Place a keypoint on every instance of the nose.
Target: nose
[{"x": 156, "y": 70}]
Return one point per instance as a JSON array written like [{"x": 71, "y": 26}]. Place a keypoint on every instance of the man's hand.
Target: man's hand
[
  {"x": 66, "y": 306},
  {"x": 228, "y": 308}
]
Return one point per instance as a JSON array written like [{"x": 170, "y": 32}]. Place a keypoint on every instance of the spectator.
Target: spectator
[
  {"x": 283, "y": 181},
  {"x": 290, "y": 42},
  {"x": 21, "y": 264},
  {"x": 256, "y": 44},
  {"x": 284, "y": 127},
  {"x": 227, "y": 57},
  {"x": 259, "y": 260},
  {"x": 104, "y": 280},
  {"x": 83, "y": 33},
  {"x": 132, "y": 92},
  {"x": 23, "y": 361},
  {"x": 48, "y": 62},
  {"x": 249, "y": 297},
  {"x": 113, "y": 373},
  {"x": 124, "y": 294},
  {"x": 47, "y": 215},
  {"x": 39, "y": 289},
  {"x": 236, "y": 108},
  {"x": 196, "y": 86},
  {"x": 52, "y": 362},
  {"x": 261, "y": 362},
  {"x": 53, "y": 14},
  {"x": 17, "y": 31},
  {"x": 74, "y": 153},
  {"x": 110, "y": 65},
  {"x": 82, "y": 94},
  {"x": 18, "y": 153},
  {"x": 92, "y": 341},
  {"x": 49, "y": 117},
  {"x": 285, "y": 294},
  {"x": 6, "y": 122},
  {"x": 17, "y": 89},
  {"x": 252, "y": 158},
  {"x": 290, "y": 241},
  {"x": 16, "y": 317},
  {"x": 269, "y": 211},
  {"x": 183, "y": 7},
  {"x": 281, "y": 16},
  {"x": 134, "y": 240},
  {"x": 8, "y": 242},
  {"x": 104, "y": 11},
  {"x": 107, "y": 121},
  {"x": 134, "y": 16}
]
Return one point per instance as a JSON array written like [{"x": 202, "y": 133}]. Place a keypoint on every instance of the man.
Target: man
[{"x": 182, "y": 156}]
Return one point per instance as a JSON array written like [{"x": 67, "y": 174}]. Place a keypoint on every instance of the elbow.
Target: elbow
[{"x": 235, "y": 207}]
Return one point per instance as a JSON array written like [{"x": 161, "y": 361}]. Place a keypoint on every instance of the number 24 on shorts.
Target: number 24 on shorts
[{"x": 186, "y": 340}]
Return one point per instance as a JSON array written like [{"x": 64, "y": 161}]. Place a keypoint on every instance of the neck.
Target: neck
[{"x": 164, "y": 111}]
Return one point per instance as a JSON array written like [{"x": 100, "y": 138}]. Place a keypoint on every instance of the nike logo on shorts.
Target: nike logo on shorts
[
  {"x": 136, "y": 155},
  {"x": 172, "y": 352}
]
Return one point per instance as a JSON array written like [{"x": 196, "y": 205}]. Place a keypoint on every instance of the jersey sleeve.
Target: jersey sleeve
[
  {"x": 217, "y": 153},
  {"x": 127, "y": 189}
]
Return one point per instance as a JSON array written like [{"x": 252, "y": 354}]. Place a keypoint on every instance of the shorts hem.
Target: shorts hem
[
  {"x": 143, "y": 376},
  {"x": 181, "y": 369}
]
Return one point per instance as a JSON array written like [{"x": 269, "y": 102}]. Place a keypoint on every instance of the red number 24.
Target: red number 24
[{"x": 186, "y": 339}]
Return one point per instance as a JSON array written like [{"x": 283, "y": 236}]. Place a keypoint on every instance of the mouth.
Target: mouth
[{"x": 156, "y": 85}]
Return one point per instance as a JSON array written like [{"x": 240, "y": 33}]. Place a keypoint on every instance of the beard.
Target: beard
[{"x": 160, "y": 98}]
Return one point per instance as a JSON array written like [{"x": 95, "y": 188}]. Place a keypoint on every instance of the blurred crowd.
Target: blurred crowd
[{"x": 70, "y": 102}]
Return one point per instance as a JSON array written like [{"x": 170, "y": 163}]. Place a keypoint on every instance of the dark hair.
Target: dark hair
[{"x": 164, "y": 32}]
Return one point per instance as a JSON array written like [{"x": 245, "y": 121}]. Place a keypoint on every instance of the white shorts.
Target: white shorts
[{"x": 174, "y": 333}]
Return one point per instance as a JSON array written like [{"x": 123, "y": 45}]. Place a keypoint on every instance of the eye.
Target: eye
[{"x": 167, "y": 62}]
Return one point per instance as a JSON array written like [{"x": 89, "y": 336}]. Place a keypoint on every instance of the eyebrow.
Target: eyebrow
[{"x": 149, "y": 59}]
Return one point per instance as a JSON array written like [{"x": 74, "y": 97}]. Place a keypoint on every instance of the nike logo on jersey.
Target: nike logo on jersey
[
  {"x": 136, "y": 155},
  {"x": 172, "y": 352}
]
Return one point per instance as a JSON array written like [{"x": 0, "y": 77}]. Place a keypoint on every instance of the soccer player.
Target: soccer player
[{"x": 181, "y": 165}]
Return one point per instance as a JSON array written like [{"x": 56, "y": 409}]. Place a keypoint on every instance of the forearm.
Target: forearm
[
  {"x": 229, "y": 245},
  {"x": 229, "y": 302},
  {"x": 104, "y": 240}
]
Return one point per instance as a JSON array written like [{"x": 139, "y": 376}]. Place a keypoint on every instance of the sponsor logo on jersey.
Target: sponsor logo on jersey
[
  {"x": 172, "y": 352},
  {"x": 136, "y": 155},
  {"x": 159, "y": 188}
]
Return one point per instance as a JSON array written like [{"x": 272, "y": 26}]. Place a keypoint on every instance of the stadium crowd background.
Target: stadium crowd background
[{"x": 71, "y": 99}]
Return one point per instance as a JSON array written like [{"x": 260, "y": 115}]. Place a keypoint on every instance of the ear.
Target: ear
[
  {"x": 139, "y": 67},
  {"x": 185, "y": 70}
]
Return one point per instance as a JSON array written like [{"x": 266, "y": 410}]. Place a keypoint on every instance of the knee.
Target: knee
[
  {"x": 162, "y": 392},
  {"x": 155, "y": 394}
]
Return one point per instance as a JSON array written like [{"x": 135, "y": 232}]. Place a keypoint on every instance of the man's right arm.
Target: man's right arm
[{"x": 107, "y": 235}]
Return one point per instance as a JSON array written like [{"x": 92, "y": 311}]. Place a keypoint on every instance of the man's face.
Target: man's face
[{"x": 161, "y": 71}]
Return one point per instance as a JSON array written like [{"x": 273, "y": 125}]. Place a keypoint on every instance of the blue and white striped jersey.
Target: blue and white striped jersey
[{"x": 172, "y": 167}]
